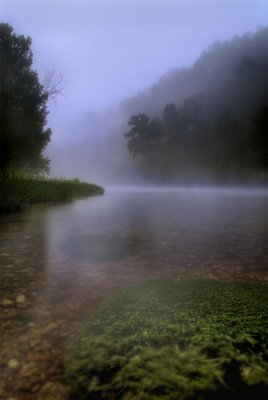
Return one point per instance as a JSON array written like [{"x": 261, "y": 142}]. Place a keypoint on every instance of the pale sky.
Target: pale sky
[{"x": 108, "y": 50}]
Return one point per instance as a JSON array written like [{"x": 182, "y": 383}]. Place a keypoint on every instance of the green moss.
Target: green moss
[
  {"x": 16, "y": 193},
  {"x": 163, "y": 339}
]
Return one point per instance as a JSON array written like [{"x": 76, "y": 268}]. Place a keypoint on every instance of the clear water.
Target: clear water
[{"x": 66, "y": 258}]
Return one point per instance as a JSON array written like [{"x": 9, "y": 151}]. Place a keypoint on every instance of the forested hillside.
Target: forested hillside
[{"x": 208, "y": 121}]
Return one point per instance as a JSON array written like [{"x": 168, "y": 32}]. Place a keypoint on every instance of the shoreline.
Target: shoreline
[{"x": 16, "y": 194}]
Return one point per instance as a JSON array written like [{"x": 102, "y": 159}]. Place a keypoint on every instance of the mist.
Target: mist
[
  {"x": 120, "y": 59},
  {"x": 203, "y": 124},
  {"x": 133, "y": 199}
]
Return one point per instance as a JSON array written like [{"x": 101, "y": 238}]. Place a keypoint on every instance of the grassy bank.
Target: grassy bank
[
  {"x": 19, "y": 192},
  {"x": 167, "y": 340}
]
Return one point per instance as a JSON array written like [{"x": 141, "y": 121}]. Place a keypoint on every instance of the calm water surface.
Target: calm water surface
[{"x": 59, "y": 261}]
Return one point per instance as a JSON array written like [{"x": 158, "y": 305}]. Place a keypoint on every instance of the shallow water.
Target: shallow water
[{"x": 59, "y": 261}]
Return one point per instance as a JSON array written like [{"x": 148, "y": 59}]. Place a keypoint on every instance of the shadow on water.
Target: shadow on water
[{"x": 98, "y": 248}]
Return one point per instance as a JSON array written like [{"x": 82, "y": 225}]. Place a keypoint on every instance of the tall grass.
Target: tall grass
[{"x": 18, "y": 192}]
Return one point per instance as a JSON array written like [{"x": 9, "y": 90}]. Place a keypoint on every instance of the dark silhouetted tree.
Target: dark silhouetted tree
[
  {"x": 260, "y": 137},
  {"x": 214, "y": 122},
  {"x": 144, "y": 134},
  {"x": 23, "y": 106}
]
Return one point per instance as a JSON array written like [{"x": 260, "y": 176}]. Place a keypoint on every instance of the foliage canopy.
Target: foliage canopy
[
  {"x": 209, "y": 119},
  {"x": 23, "y": 106}
]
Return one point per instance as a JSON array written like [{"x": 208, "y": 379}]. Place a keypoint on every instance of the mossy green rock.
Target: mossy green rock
[{"x": 175, "y": 340}]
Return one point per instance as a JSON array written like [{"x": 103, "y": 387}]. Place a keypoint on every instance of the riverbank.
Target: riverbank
[{"x": 18, "y": 193}]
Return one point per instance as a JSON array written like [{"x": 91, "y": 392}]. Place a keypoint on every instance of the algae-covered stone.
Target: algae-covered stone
[
  {"x": 7, "y": 303},
  {"x": 167, "y": 340},
  {"x": 20, "y": 299},
  {"x": 13, "y": 363}
]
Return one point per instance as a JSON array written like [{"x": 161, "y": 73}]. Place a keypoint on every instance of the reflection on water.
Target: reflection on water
[{"x": 58, "y": 262}]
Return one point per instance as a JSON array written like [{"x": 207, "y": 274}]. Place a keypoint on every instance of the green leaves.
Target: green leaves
[{"x": 24, "y": 134}]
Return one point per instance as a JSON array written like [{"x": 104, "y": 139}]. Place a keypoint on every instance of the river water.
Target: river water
[{"x": 59, "y": 261}]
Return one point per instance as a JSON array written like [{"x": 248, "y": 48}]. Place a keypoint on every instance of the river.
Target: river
[{"x": 59, "y": 261}]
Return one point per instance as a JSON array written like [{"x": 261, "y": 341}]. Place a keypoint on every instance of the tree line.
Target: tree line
[
  {"x": 219, "y": 131},
  {"x": 23, "y": 106}
]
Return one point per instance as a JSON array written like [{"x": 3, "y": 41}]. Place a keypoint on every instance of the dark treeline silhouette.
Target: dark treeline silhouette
[
  {"x": 23, "y": 107},
  {"x": 208, "y": 121}
]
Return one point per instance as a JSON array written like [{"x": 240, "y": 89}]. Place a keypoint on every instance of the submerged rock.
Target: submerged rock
[
  {"x": 53, "y": 391},
  {"x": 7, "y": 303},
  {"x": 13, "y": 363},
  {"x": 20, "y": 299}
]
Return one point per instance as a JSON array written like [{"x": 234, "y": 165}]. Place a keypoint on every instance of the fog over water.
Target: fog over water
[
  {"x": 165, "y": 105},
  {"x": 110, "y": 53}
]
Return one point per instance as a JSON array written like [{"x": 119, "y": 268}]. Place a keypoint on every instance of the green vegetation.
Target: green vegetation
[
  {"x": 18, "y": 192},
  {"x": 170, "y": 340},
  {"x": 23, "y": 106},
  {"x": 23, "y": 131},
  {"x": 207, "y": 120}
]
